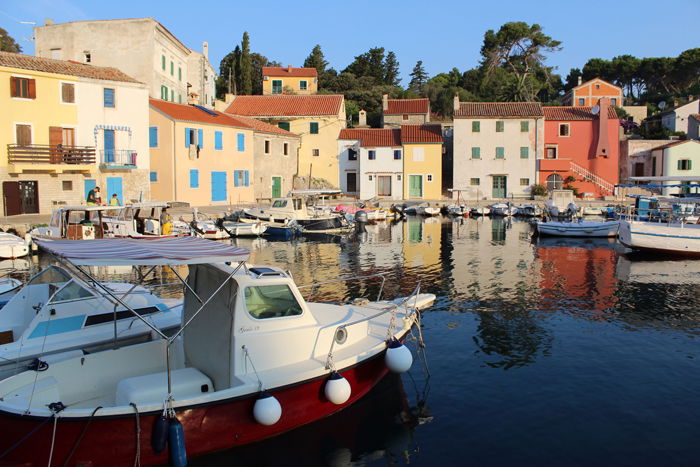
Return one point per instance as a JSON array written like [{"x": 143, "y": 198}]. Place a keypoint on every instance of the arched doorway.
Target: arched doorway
[{"x": 555, "y": 182}]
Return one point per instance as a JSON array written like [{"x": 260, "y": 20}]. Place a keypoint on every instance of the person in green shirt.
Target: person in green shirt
[{"x": 93, "y": 197}]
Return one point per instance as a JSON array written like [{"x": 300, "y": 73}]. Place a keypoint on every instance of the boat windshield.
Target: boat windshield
[
  {"x": 50, "y": 275},
  {"x": 271, "y": 301},
  {"x": 71, "y": 291},
  {"x": 55, "y": 219},
  {"x": 280, "y": 203}
]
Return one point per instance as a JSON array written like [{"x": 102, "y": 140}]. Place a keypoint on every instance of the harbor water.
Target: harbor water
[{"x": 542, "y": 352}]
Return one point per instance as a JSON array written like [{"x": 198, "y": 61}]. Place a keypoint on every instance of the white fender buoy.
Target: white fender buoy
[
  {"x": 267, "y": 409},
  {"x": 337, "y": 389},
  {"x": 398, "y": 358}
]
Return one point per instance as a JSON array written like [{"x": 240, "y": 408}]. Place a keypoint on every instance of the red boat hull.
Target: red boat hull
[{"x": 208, "y": 428}]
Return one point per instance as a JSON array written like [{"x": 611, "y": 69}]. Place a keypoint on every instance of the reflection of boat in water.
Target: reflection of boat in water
[
  {"x": 264, "y": 335},
  {"x": 588, "y": 243},
  {"x": 631, "y": 268}
]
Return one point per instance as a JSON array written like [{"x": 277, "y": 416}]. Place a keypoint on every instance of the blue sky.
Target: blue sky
[{"x": 443, "y": 34}]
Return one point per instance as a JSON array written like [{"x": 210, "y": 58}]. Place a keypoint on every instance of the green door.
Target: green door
[
  {"x": 499, "y": 186},
  {"x": 415, "y": 186},
  {"x": 276, "y": 187}
]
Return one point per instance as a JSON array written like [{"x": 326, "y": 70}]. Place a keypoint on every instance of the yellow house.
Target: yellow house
[
  {"x": 289, "y": 80},
  {"x": 47, "y": 137},
  {"x": 199, "y": 156},
  {"x": 422, "y": 161},
  {"x": 318, "y": 119}
]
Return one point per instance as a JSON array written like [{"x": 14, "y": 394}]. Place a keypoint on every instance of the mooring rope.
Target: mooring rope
[
  {"x": 53, "y": 440},
  {"x": 137, "y": 459},
  {"x": 82, "y": 435}
]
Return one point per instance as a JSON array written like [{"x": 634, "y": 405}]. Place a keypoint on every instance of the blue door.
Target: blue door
[
  {"x": 89, "y": 185},
  {"x": 114, "y": 185},
  {"x": 218, "y": 186},
  {"x": 109, "y": 146}
]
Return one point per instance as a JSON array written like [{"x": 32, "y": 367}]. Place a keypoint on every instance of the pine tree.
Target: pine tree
[
  {"x": 246, "y": 68},
  {"x": 391, "y": 70},
  {"x": 418, "y": 77},
  {"x": 7, "y": 43},
  {"x": 316, "y": 60}
]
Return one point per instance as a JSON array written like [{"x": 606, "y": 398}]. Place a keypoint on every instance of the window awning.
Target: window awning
[{"x": 143, "y": 252}]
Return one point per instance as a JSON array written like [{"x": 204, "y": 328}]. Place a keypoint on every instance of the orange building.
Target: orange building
[
  {"x": 583, "y": 143},
  {"x": 590, "y": 92},
  {"x": 289, "y": 80}
]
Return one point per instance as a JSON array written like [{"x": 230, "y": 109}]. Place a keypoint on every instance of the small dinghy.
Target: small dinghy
[
  {"x": 579, "y": 229},
  {"x": 253, "y": 359},
  {"x": 12, "y": 246},
  {"x": 479, "y": 211}
]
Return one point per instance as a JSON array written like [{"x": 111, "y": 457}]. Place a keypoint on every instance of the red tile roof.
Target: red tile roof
[
  {"x": 63, "y": 67},
  {"x": 373, "y": 137},
  {"x": 287, "y": 105},
  {"x": 288, "y": 71},
  {"x": 676, "y": 143},
  {"x": 571, "y": 113},
  {"x": 499, "y": 109},
  {"x": 427, "y": 133},
  {"x": 263, "y": 127},
  {"x": 191, "y": 113},
  {"x": 407, "y": 106}
]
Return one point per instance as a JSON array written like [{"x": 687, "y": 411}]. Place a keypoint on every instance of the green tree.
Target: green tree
[
  {"x": 259, "y": 61},
  {"x": 370, "y": 63},
  {"x": 598, "y": 68},
  {"x": 316, "y": 60},
  {"x": 7, "y": 43},
  {"x": 572, "y": 79},
  {"x": 246, "y": 66},
  {"x": 391, "y": 70},
  {"x": 418, "y": 77},
  {"x": 229, "y": 79},
  {"x": 519, "y": 48}
]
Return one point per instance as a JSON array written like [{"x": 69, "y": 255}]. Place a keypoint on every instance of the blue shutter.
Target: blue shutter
[
  {"x": 154, "y": 176},
  {"x": 218, "y": 141},
  {"x": 153, "y": 136},
  {"x": 187, "y": 137},
  {"x": 200, "y": 138},
  {"x": 108, "y": 97},
  {"x": 235, "y": 178},
  {"x": 241, "y": 142},
  {"x": 246, "y": 179},
  {"x": 194, "y": 178},
  {"x": 218, "y": 186}
]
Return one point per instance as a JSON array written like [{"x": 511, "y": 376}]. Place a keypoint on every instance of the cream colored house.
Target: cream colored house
[
  {"x": 289, "y": 80},
  {"x": 140, "y": 47},
  {"x": 199, "y": 156},
  {"x": 678, "y": 158},
  {"x": 317, "y": 119},
  {"x": 496, "y": 147}
]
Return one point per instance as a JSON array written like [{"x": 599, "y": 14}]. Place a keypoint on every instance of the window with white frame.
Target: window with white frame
[
  {"x": 303, "y": 85},
  {"x": 474, "y": 182},
  {"x": 524, "y": 181},
  {"x": 430, "y": 178},
  {"x": 564, "y": 129}
]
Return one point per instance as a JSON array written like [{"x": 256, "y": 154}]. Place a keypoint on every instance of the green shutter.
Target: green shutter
[
  {"x": 524, "y": 152},
  {"x": 499, "y": 126},
  {"x": 179, "y": 73},
  {"x": 313, "y": 128},
  {"x": 525, "y": 126},
  {"x": 162, "y": 60},
  {"x": 172, "y": 69},
  {"x": 500, "y": 153},
  {"x": 283, "y": 125},
  {"x": 476, "y": 127},
  {"x": 476, "y": 153}
]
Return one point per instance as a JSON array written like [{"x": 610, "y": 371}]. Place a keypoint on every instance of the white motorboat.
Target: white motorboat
[
  {"x": 528, "y": 210},
  {"x": 663, "y": 236},
  {"x": 75, "y": 223},
  {"x": 502, "y": 210},
  {"x": 56, "y": 312},
  {"x": 579, "y": 229},
  {"x": 136, "y": 220},
  {"x": 593, "y": 211},
  {"x": 422, "y": 210},
  {"x": 457, "y": 210},
  {"x": 12, "y": 246},
  {"x": 253, "y": 358},
  {"x": 242, "y": 229},
  {"x": 479, "y": 211}
]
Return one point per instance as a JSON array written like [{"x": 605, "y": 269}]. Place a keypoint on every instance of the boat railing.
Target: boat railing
[
  {"x": 661, "y": 215},
  {"x": 341, "y": 329},
  {"x": 346, "y": 279}
]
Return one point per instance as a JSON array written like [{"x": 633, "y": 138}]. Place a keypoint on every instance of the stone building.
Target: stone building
[
  {"x": 397, "y": 112},
  {"x": 141, "y": 47}
]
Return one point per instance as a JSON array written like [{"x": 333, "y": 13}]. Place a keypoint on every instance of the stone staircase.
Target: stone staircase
[{"x": 589, "y": 176}]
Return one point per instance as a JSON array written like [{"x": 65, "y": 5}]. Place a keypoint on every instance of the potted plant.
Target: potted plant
[{"x": 539, "y": 192}]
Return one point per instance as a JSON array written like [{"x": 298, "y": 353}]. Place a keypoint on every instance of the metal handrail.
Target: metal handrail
[{"x": 345, "y": 279}]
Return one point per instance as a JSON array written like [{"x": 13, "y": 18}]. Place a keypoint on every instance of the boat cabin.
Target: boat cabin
[
  {"x": 137, "y": 220},
  {"x": 76, "y": 223}
]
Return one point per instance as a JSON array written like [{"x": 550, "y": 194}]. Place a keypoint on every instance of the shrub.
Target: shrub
[{"x": 538, "y": 190}]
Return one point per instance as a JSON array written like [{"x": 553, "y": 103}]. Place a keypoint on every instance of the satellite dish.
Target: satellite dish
[
  {"x": 662, "y": 104},
  {"x": 595, "y": 110}
]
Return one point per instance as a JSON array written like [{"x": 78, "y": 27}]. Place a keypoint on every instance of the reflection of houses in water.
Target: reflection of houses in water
[
  {"x": 422, "y": 241},
  {"x": 580, "y": 270},
  {"x": 658, "y": 272}
]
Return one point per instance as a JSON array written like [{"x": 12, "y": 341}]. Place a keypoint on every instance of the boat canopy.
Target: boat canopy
[
  {"x": 142, "y": 252},
  {"x": 312, "y": 192}
]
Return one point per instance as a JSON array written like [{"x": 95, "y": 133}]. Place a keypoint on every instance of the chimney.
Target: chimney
[
  {"x": 229, "y": 97},
  {"x": 362, "y": 119},
  {"x": 690, "y": 98},
  {"x": 289, "y": 68},
  {"x": 385, "y": 102},
  {"x": 455, "y": 103},
  {"x": 603, "y": 147},
  {"x": 205, "y": 49},
  {"x": 675, "y": 103},
  {"x": 579, "y": 81}
]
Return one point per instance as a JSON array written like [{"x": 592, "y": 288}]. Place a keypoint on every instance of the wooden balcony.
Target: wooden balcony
[{"x": 51, "y": 158}]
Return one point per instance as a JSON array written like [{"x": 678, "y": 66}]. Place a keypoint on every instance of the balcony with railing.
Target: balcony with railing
[
  {"x": 118, "y": 158},
  {"x": 48, "y": 157}
]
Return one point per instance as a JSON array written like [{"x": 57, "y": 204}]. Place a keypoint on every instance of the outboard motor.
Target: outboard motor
[
  {"x": 361, "y": 221},
  {"x": 399, "y": 210}
]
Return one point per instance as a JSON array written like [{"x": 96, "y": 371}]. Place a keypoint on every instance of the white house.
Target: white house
[
  {"x": 679, "y": 158},
  {"x": 678, "y": 118},
  {"x": 371, "y": 162},
  {"x": 496, "y": 146},
  {"x": 113, "y": 118}
]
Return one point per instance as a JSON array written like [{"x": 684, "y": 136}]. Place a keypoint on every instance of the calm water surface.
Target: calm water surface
[{"x": 551, "y": 352}]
